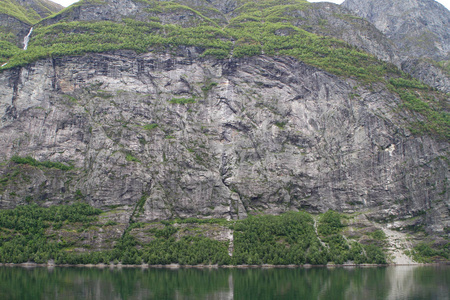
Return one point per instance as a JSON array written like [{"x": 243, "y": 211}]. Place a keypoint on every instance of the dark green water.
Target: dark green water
[{"x": 316, "y": 283}]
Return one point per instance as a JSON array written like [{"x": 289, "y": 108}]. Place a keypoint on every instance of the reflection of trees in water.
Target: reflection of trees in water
[
  {"x": 85, "y": 283},
  {"x": 314, "y": 283},
  {"x": 225, "y": 284}
]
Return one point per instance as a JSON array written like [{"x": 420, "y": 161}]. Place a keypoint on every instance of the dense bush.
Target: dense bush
[
  {"x": 182, "y": 100},
  {"x": 341, "y": 250},
  {"x": 425, "y": 253},
  {"x": 284, "y": 239},
  {"x": 330, "y": 223},
  {"x": 23, "y": 236},
  {"x": 187, "y": 250}
]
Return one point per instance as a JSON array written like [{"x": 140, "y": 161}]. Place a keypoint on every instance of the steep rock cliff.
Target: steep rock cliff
[{"x": 166, "y": 136}]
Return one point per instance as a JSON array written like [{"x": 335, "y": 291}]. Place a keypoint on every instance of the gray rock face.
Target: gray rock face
[
  {"x": 178, "y": 136},
  {"x": 336, "y": 21},
  {"x": 114, "y": 10},
  {"x": 419, "y": 28},
  {"x": 428, "y": 73},
  {"x": 117, "y": 10},
  {"x": 320, "y": 18}
]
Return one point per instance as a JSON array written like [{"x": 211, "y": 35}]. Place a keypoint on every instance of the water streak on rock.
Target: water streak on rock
[{"x": 27, "y": 39}]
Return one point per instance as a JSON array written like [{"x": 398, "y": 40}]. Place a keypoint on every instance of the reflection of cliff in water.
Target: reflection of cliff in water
[
  {"x": 401, "y": 281},
  {"x": 415, "y": 282},
  {"x": 226, "y": 294},
  {"x": 225, "y": 284}
]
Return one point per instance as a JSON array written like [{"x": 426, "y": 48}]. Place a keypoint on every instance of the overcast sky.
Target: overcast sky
[{"x": 446, "y": 3}]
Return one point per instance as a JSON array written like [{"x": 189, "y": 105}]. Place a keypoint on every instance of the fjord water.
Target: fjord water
[{"x": 418, "y": 282}]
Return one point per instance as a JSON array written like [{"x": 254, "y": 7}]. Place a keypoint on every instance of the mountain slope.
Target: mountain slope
[
  {"x": 419, "y": 28},
  {"x": 155, "y": 110},
  {"x": 29, "y": 11},
  {"x": 16, "y": 19},
  {"x": 336, "y": 21}
]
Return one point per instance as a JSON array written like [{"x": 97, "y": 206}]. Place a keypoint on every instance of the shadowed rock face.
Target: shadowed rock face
[
  {"x": 419, "y": 28},
  {"x": 184, "y": 136}
]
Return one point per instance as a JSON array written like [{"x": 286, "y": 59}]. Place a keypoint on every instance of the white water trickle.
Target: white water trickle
[{"x": 27, "y": 39}]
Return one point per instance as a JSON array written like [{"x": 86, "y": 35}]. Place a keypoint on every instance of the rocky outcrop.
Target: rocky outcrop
[
  {"x": 336, "y": 21},
  {"x": 427, "y": 72},
  {"x": 167, "y": 136},
  {"x": 117, "y": 11},
  {"x": 419, "y": 28}
]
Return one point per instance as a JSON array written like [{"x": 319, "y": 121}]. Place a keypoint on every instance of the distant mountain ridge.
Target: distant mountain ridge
[
  {"x": 419, "y": 28},
  {"x": 420, "y": 31}
]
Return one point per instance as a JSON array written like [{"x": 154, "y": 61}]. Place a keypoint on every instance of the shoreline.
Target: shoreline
[{"x": 177, "y": 266}]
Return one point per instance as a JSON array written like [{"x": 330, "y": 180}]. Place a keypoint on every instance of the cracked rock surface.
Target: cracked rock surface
[{"x": 165, "y": 136}]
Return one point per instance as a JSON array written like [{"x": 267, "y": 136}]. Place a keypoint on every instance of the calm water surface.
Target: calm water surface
[{"x": 430, "y": 282}]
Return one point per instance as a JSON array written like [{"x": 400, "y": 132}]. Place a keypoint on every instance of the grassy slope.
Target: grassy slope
[
  {"x": 28, "y": 14},
  {"x": 12, "y": 8}
]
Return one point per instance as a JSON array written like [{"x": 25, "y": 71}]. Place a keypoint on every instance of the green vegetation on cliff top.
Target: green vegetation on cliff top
[{"x": 258, "y": 27}]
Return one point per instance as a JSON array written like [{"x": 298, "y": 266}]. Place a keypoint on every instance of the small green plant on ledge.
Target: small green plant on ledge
[
  {"x": 46, "y": 164},
  {"x": 209, "y": 86},
  {"x": 182, "y": 100},
  {"x": 150, "y": 126},
  {"x": 130, "y": 157}
]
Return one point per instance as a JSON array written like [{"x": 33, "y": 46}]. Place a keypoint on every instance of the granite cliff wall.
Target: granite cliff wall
[{"x": 167, "y": 136}]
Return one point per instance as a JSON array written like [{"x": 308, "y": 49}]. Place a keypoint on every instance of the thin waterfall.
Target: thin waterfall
[{"x": 27, "y": 39}]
